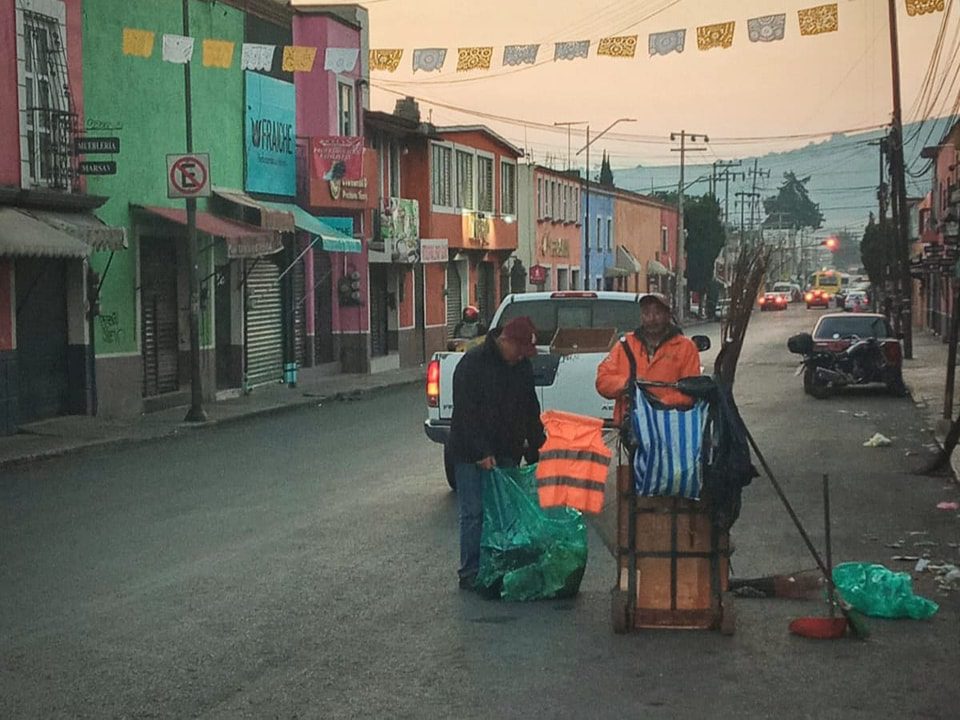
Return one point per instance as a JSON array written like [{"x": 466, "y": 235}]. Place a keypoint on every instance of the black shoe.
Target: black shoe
[{"x": 468, "y": 582}]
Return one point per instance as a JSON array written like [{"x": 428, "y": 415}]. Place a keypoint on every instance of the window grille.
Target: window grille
[{"x": 48, "y": 126}]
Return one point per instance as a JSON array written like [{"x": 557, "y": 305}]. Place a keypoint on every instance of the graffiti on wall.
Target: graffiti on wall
[{"x": 110, "y": 331}]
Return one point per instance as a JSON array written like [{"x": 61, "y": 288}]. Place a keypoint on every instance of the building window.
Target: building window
[
  {"x": 442, "y": 172},
  {"x": 484, "y": 184},
  {"x": 347, "y": 115},
  {"x": 47, "y": 126},
  {"x": 609, "y": 233},
  {"x": 465, "y": 180},
  {"x": 566, "y": 205},
  {"x": 508, "y": 188},
  {"x": 574, "y": 279},
  {"x": 599, "y": 231},
  {"x": 540, "y": 212},
  {"x": 664, "y": 239},
  {"x": 576, "y": 204}
]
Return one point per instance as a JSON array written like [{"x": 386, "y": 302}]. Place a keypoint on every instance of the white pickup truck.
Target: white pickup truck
[{"x": 564, "y": 381}]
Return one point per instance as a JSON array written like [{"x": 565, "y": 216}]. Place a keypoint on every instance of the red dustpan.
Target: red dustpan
[{"x": 818, "y": 628}]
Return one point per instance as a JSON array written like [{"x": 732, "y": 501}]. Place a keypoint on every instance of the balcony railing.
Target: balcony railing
[{"x": 50, "y": 157}]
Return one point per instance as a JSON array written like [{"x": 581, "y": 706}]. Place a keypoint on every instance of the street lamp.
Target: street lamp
[{"x": 586, "y": 255}]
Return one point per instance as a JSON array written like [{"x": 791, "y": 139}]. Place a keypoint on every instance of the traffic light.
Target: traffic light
[{"x": 349, "y": 289}]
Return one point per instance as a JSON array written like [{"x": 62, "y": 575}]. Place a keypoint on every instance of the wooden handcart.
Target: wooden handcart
[{"x": 680, "y": 564}]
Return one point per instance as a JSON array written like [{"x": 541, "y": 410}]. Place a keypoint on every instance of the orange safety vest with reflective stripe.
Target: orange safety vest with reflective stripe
[{"x": 573, "y": 462}]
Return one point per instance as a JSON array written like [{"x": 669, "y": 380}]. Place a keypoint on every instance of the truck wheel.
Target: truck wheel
[{"x": 448, "y": 468}]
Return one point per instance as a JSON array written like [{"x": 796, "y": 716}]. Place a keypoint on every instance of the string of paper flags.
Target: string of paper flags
[
  {"x": 180, "y": 49},
  {"x": 299, "y": 58},
  {"x": 768, "y": 28}
]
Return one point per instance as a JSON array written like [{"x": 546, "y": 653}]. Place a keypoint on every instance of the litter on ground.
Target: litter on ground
[{"x": 878, "y": 440}]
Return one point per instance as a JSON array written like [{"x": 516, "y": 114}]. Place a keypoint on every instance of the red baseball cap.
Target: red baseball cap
[{"x": 521, "y": 332}]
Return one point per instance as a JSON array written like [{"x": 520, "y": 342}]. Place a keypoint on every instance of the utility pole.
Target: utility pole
[
  {"x": 883, "y": 144},
  {"x": 743, "y": 205},
  {"x": 898, "y": 180},
  {"x": 681, "y": 239},
  {"x": 755, "y": 173},
  {"x": 196, "y": 412}
]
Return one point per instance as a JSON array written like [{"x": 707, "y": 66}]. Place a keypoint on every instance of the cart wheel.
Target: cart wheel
[
  {"x": 728, "y": 614},
  {"x": 619, "y": 611}
]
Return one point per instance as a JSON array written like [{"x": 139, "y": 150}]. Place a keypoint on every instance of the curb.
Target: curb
[{"x": 184, "y": 427}]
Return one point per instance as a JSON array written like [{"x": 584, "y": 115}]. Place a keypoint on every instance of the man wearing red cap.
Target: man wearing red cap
[
  {"x": 496, "y": 421},
  {"x": 660, "y": 352}
]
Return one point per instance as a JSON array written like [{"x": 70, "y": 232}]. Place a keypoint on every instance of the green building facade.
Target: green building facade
[{"x": 141, "y": 101}]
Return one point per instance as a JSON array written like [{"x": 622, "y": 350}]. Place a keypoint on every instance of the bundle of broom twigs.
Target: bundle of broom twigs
[{"x": 749, "y": 272}]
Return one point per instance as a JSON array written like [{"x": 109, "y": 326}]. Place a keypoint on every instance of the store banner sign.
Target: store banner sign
[
  {"x": 270, "y": 133},
  {"x": 337, "y": 157},
  {"x": 434, "y": 250}
]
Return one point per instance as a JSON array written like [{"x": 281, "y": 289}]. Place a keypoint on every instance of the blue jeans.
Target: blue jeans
[{"x": 470, "y": 479}]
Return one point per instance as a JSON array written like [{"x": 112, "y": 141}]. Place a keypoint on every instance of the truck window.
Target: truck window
[{"x": 549, "y": 314}]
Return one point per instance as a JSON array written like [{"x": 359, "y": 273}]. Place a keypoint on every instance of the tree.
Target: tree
[
  {"x": 878, "y": 251},
  {"x": 606, "y": 173},
  {"x": 792, "y": 206},
  {"x": 705, "y": 237}
]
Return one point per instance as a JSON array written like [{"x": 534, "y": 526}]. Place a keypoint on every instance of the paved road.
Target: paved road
[{"x": 303, "y": 565}]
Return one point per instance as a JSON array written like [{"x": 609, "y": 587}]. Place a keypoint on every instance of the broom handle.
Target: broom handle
[
  {"x": 826, "y": 522},
  {"x": 786, "y": 504}
]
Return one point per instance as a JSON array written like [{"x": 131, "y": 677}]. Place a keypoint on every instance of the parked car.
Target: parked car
[
  {"x": 817, "y": 298},
  {"x": 773, "y": 301}
]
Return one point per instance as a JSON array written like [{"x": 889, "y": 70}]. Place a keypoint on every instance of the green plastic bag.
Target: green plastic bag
[
  {"x": 879, "y": 592},
  {"x": 528, "y": 552}
]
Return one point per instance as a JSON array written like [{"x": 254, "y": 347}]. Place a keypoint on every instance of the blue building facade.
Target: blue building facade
[{"x": 596, "y": 234}]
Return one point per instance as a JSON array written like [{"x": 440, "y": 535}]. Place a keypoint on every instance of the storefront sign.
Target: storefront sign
[
  {"x": 94, "y": 145},
  {"x": 434, "y": 251},
  {"x": 348, "y": 189},
  {"x": 97, "y": 167},
  {"x": 400, "y": 228},
  {"x": 343, "y": 224},
  {"x": 337, "y": 158},
  {"x": 555, "y": 247},
  {"x": 538, "y": 275},
  {"x": 270, "y": 132}
]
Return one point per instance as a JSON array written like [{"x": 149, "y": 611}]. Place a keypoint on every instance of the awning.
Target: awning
[
  {"x": 243, "y": 241},
  {"x": 333, "y": 240},
  {"x": 86, "y": 227},
  {"x": 657, "y": 268},
  {"x": 270, "y": 218},
  {"x": 23, "y": 235},
  {"x": 615, "y": 271},
  {"x": 627, "y": 261}
]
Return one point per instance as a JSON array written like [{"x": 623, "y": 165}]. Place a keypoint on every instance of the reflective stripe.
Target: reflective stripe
[
  {"x": 567, "y": 481},
  {"x": 575, "y": 455}
]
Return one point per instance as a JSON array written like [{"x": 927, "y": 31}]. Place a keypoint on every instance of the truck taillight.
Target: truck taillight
[
  {"x": 893, "y": 353},
  {"x": 573, "y": 294},
  {"x": 433, "y": 383}
]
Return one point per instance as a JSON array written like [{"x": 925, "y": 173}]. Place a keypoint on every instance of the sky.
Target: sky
[{"x": 749, "y": 99}]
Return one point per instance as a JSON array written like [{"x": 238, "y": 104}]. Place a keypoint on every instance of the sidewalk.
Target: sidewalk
[
  {"x": 925, "y": 377},
  {"x": 70, "y": 433}
]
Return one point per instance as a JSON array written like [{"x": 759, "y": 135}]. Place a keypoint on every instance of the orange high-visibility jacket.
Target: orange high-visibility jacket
[
  {"x": 675, "y": 358},
  {"x": 573, "y": 462}
]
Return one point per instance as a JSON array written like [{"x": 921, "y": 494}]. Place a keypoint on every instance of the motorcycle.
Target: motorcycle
[{"x": 865, "y": 361}]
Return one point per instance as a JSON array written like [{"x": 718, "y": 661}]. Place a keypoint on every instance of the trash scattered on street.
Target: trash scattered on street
[
  {"x": 861, "y": 414},
  {"x": 950, "y": 580},
  {"x": 922, "y": 565},
  {"x": 878, "y": 440},
  {"x": 909, "y": 453},
  {"x": 896, "y": 545},
  {"x": 948, "y": 505},
  {"x": 919, "y": 532},
  {"x": 926, "y": 543},
  {"x": 877, "y": 591},
  {"x": 905, "y": 558}
]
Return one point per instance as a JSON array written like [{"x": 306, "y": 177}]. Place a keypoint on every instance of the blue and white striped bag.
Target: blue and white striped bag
[{"x": 668, "y": 456}]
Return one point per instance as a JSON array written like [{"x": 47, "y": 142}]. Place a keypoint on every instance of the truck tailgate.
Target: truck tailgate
[{"x": 568, "y": 383}]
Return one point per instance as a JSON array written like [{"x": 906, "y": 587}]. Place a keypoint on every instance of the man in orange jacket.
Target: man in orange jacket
[{"x": 661, "y": 352}]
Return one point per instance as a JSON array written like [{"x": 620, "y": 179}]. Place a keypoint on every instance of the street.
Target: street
[{"x": 304, "y": 565}]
